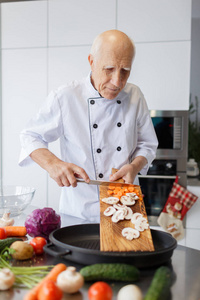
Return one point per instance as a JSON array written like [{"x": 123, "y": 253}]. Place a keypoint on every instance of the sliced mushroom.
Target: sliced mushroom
[
  {"x": 135, "y": 217},
  {"x": 126, "y": 200},
  {"x": 145, "y": 223},
  {"x": 127, "y": 210},
  {"x": 119, "y": 206},
  {"x": 118, "y": 215},
  {"x": 141, "y": 224},
  {"x": 129, "y": 213},
  {"x": 133, "y": 195},
  {"x": 110, "y": 200},
  {"x": 130, "y": 233},
  {"x": 109, "y": 211}
]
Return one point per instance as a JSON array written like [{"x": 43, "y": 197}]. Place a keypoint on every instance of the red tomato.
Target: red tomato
[
  {"x": 100, "y": 291},
  {"x": 3, "y": 234},
  {"x": 38, "y": 243},
  {"x": 49, "y": 291}
]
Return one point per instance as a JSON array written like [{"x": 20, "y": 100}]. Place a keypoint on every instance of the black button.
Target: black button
[
  {"x": 95, "y": 125},
  {"x": 98, "y": 150},
  {"x": 119, "y": 124},
  {"x": 119, "y": 101},
  {"x": 119, "y": 148},
  {"x": 100, "y": 175},
  {"x": 92, "y": 102}
]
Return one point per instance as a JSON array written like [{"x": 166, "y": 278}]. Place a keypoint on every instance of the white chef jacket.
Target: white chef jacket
[{"x": 95, "y": 133}]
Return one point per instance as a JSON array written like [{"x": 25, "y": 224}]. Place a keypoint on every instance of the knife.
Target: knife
[{"x": 106, "y": 183}]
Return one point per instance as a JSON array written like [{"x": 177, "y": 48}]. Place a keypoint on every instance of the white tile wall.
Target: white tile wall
[
  {"x": 78, "y": 22},
  {"x": 23, "y": 89},
  {"x": 67, "y": 64},
  {"x": 150, "y": 21},
  {"x": 162, "y": 71},
  {"x": 24, "y": 24}
]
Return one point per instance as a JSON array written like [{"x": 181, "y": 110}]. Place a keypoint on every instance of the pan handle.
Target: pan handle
[{"x": 47, "y": 249}]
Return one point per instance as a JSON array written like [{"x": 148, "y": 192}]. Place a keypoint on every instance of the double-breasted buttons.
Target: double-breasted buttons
[
  {"x": 92, "y": 102},
  {"x": 119, "y": 148},
  {"x": 100, "y": 175},
  {"x": 119, "y": 124},
  {"x": 95, "y": 126},
  {"x": 98, "y": 150},
  {"x": 119, "y": 101}
]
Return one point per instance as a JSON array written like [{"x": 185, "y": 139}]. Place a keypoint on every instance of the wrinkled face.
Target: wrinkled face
[{"x": 110, "y": 70}]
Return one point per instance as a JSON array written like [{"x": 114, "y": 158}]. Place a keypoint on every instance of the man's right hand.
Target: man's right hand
[
  {"x": 65, "y": 173},
  {"x": 62, "y": 172}
]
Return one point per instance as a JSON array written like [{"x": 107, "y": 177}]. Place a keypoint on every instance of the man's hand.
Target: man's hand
[
  {"x": 65, "y": 173},
  {"x": 128, "y": 172},
  {"x": 62, "y": 172}
]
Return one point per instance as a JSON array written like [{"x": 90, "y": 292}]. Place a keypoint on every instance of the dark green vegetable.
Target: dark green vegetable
[
  {"x": 7, "y": 242},
  {"x": 110, "y": 271},
  {"x": 160, "y": 285}
]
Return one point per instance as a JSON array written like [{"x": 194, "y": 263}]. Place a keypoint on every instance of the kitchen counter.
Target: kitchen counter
[
  {"x": 195, "y": 181},
  {"x": 184, "y": 263}
]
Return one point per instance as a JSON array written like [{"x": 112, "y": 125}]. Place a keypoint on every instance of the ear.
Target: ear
[{"x": 91, "y": 60}]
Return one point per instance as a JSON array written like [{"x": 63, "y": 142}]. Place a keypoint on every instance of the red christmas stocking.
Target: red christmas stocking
[{"x": 180, "y": 200}]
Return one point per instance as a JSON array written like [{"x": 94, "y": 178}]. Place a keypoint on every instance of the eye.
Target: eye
[
  {"x": 125, "y": 72},
  {"x": 109, "y": 70}
]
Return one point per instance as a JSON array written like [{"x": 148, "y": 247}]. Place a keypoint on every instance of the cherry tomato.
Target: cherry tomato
[
  {"x": 38, "y": 243},
  {"x": 49, "y": 291},
  {"x": 100, "y": 291},
  {"x": 3, "y": 234}
]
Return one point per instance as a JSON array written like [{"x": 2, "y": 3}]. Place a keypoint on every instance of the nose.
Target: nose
[{"x": 116, "y": 79}]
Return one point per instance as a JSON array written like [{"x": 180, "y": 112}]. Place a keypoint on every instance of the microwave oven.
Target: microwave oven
[{"x": 171, "y": 128}]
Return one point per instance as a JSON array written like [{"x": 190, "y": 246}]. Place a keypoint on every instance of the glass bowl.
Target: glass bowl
[{"x": 15, "y": 199}]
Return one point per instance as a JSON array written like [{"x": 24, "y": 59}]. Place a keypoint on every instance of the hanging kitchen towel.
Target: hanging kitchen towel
[{"x": 179, "y": 201}]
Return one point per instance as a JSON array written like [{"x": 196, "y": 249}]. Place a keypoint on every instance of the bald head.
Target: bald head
[
  {"x": 112, "y": 40},
  {"x": 111, "y": 59}
]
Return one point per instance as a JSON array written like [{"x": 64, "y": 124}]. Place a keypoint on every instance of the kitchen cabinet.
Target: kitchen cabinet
[
  {"x": 24, "y": 24},
  {"x": 155, "y": 20},
  {"x": 78, "y": 22}
]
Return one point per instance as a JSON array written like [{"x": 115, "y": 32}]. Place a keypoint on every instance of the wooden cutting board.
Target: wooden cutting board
[{"x": 111, "y": 238}]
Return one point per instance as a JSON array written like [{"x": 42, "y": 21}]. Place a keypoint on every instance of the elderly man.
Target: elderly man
[{"x": 102, "y": 122}]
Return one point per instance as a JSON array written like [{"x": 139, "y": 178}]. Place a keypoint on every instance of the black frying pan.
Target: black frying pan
[{"x": 81, "y": 244}]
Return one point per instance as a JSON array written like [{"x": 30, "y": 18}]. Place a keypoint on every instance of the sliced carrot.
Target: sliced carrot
[
  {"x": 120, "y": 194},
  {"x": 111, "y": 187},
  {"x": 53, "y": 274},
  {"x": 109, "y": 192},
  {"x": 118, "y": 188},
  {"x": 15, "y": 230},
  {"x": 130, "y": 189}
]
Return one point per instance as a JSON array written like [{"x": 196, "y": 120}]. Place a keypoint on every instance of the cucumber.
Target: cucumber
[
  {"x": 7, "y": 242},
  {"x": 160, "y": 285},
  {"x": 110, "y": 271}
]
